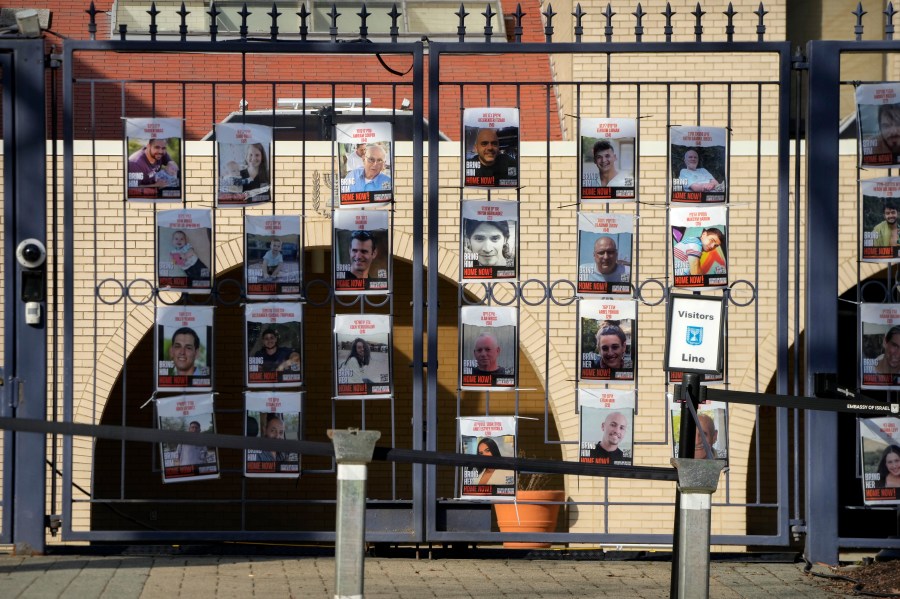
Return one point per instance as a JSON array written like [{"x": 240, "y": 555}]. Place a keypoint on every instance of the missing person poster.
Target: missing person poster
[
  {"x": 698, "y": 247},
  {"x": 184, "y": 250},
  {"x": 607, "y": 159},
  {"x": 879, "y": 440},
  {"x": 365, "y": 162},
  {"x": 607, "y": 426},
  {"x": 274, "y": 339},
  {"x": 699, "y": 158},
  {"x": 880, "y": 346},
  {"x": 489, "y": 240},
  {"x": 488, "y": 347},
  {"x": 362, "y": 252},
  {"x": 272, "y": 256},
  {"x": 878, "y": 115},
  {"x": 493, "y": 436},
  {"x": 604, "y": 253},
  {"x": 245, "y": 175},
  {"x": 184, "y": 348},
  {"x": 362, "y": 344},
  {"x": 153, "y": 160},
  {"x": 878, "y": 224},
  {"x": 272, "y": 415},
  {"x": 676, "y": 376},
  {"x": 187, "y": 414},
  {"x": 713, "y": 420},
  {"x": 491, "y": 147},
  {"x": 608, "y": 339}
]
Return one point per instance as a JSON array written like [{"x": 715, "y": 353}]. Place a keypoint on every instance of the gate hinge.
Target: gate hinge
[
  {"x": 54, "y": 61},
  {"x": 17, "y": 395},
  {"x": 798, "y": 61}
]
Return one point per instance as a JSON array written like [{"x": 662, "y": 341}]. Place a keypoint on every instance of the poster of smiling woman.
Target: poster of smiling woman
[
  {"x": 245, "y": 171},
  {"x": 489, "y": 436},
  {"x": 878, "y": 115},
  {"x": 607, "y": 339},
  {"x": 879, "y": 440},
  {"x": 489, "y": 240}
]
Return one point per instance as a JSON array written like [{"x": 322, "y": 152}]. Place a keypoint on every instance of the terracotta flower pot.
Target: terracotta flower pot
[{"x": 526, "y": 517}]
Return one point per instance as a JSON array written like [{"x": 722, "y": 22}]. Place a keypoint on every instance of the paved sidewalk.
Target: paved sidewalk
[{"x": 120, "y": 577}]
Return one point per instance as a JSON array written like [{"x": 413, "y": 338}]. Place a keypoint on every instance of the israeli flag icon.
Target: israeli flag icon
[{"x": 694, "y": 335}]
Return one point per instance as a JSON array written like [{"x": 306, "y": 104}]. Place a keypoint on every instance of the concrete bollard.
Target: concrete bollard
[
  {"x": 697, "y": 481},
  {"x": 353, "y": 449}
]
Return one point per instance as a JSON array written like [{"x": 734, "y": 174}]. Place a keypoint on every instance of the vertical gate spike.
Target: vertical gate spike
[
  {"x": 333, "y": 30},
  {"x": 729, "y": 28},
  {"x": 609, "y": 14},
  {"x": 273, "y": 31},
  {"x": 213, "y": 13},
  {"x": 244, "y": 14},
  {"x": 363, "y": 15},
  {"x": 859, "y": 12},
  {"x": 304, "y": 25},
  {"x": 889, "y": 12},
  {"x": 183, "y": 29},
  {"x": 461, "y": 28},
  {"x": 123, "y": 31},
  {"x": 578, "y": 14},
  {"x": 517, "y": 32},
  {"x": 488, "y": 28},
  {"x": 668, "y": 14},
  {"x": 548, "y": 28},
  {"x": 153, "y": 29},
  {"x": 698, "y": 26},
  {"x": 92, "y": 21},
  {"x": 761, "y": 12},
  {"x": 639, "y": 20},
  {"x": 395, "y": 29}
]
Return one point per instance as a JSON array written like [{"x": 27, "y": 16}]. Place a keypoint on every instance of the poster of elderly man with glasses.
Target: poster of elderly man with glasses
[
  {"x": 365, "y": 163},
  {"x": 362, "y": 252}
]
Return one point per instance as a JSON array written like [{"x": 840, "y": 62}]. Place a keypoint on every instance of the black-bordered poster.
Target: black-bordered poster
[
  {"x": 880, "y": 230},
  {"x": 193, "y": 413},
  {"x": 153, "y": 159},
  {"x": 699, "y": 158},
  {"x": 245, "y": 170},
  {"x": 362, "y": 344},
  {"x": 880, "y": 345},
  {"x": 604, "y": 253},
  {"x": 272, "y": 415},
  {"x": 274, "y": 343},
  {"x": 878, "y": 115},
  {"x": 184, "y": 344},
  {"x": 713, "y": 416},
  {"x": 365, "y": 160},
  {"x": 491, "y": 146},
  {"x": 607, "y": 426},
  {"x": 699, "y": 251},
  {"x": 607, "y": 159},
  {"x": 489, "y": 240},
  {"x": 272, "y": 256},
  {"x": 362, "y": 252},
  {"x": 493, "y": 436},
  {"x": 184, "y": 250},
  {"x": 488, "y": 347},
  {"x": 879, "y": 440},
  {"x": 607, "y": 339}
]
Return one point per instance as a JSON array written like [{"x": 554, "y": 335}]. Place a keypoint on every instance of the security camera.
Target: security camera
[{"x": 31, "y": 253}]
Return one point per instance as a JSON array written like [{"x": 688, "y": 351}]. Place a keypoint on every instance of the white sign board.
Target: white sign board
[{"x": 694, "y": 343}]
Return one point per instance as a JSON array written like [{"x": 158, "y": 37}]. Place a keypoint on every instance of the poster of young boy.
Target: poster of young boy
[
  {"x": 713, "y": 420},
  {"x": 489, "y": 240},
  {"x": 878, "y": 224},
  {"x": 607, "y": 159},
  {"x": 493, "y": 436},
  {"x": 365, "y": 162},
  {"x": 608, "y": 339},
  {"x": 698, "y": 247},
  {"x": 488, "y": 348},
  {"x": 879, "y": 441},
  {"x": 607, "y": 426},
  {"x": 878, "y": 115},
  {"x": 272, "y": 256},
  {"x": 193, "y": 413},
  {"x": 362, "y": 353},
  {"x": 699, "y": 164},
  {"x": 604, "y": 253},
  {"x": 491, "y": 147},
  {"x": 274, "y": 341},
  {"x": 362, "y": 252},
  {"x": 245, "y": 175},
  {"x": 184, "y": 250},
  {"x": 880, "y": 346},
  {"x": 184, "y": 342},
  {"x": 272, "y": 415},
  {"x": 153, "y": 160}
]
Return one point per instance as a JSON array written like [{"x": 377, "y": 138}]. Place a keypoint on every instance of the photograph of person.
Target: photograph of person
[
  {"x": 362, "y": 252},
  {"x": 365, "y": 162},
  {"x": 488, "y": 347},
  {"x": 362, "y": 355},
  {"x": 699, "y": 247},
  {"x": 152, "y": 157},
  {"x": 191, "y": 414},
  {"x": 491, "y": 147},
  {"x": 713, "y": 417},
  {"x": 879, "y": 229},
  {"x": 699, "y": 158},
  {"x": 880, "y": 454},
  {"x": 607, "y": 159},
  {"x": 878, "y": 115},
  {"x": 272, "y": 415},
  {"x": 604, "y": 253},
  {"x": 489, "y": 240},
  {"x": 184, "y": 348},
  {"x": 493, "y": 436},
  {"x": 245, "y": 175},
  {"x": 272, "y": 258},
  {"x": 606, "y": 426},
  {"x": 184, "y": 250},
  {"x": 274, "y": 342},
  {"x": 607, "y": 339},
  {"x": 880, "y": 345}
]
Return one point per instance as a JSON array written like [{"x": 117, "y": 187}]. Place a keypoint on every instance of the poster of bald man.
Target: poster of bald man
[
  {"x": 272, "y": 256},
  {"x": 713, "y": 416},
  {"x": 184, "y": 346},
  {"x": 699, "y": 257},
  {"x": 878, "y": 115},
  {"x": 153, "y": 160},
  {"x": 489, "y": 240},
  {"x": 184, "y": 250},
  {"x": 274, "y": 340},
  {"x": 879, "y": 440},
  {"x": 699, "y": 161},
  {"x": 489, "y": 436},
  {"x": 607, "y": 431},
  {"x": 488, "y": 348},
  {"x": 491, "y": 147},
  {"x": 607, "y": 159},
  {"x": 362, "y": 355},
  {"x": 272, "y": 415},
  {"x": 608, "y": 337},
  {"x": 879, "y": 227},
  {"x": 361, "y": 252},
  {"x": 365, "y": 162},
  {"x": 192, "y": 414},
  {"x": 880, "y": 346},
  {"x": 245, "y": 172},
  {"x": 604, "y": 253}
]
